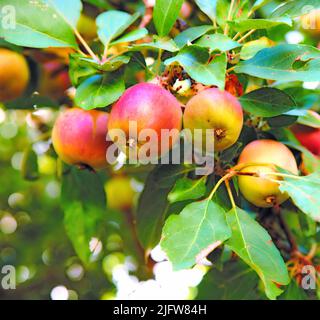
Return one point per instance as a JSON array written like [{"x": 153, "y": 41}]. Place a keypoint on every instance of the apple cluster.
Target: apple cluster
[{"x": 79, "y": 136}]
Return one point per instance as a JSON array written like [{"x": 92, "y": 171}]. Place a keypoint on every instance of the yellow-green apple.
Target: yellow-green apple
[
  {"x": 260, "y": 191},
  {"x": 218, "y": 111}
]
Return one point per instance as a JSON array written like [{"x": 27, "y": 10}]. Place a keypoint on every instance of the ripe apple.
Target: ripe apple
[
  {"x": 311, "y": 22},
  {"x": 151, "y": 109},
  {"x": 120, "y": 193},
  {"x": 54, "y": 80},
  {"x": 217, "y": 110},
  {"x": 260, "y": 191},
  {"x": 80, "y": 137},
  {"x": 309, "y": 137},
  {"x": 14, "y": 75}
]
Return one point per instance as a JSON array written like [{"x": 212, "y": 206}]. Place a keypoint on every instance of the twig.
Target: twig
[
  {"x": 86, "y": 46},
  {"x": 287, "y": 231},
  {"x": 227, "y": 183},
  {"x": 231, "y": 69},
  {"x": 226, "y": 29},
  {"x": 148, "y": 14},
  {"x": 131, "y": 222},
  {"x": 247, "y": 35}
]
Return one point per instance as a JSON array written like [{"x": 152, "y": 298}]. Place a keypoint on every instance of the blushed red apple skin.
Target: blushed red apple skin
[
  {"x": 259, "y": 191},
  {"x": 308, "y": 137},
  {"x": 80, "y": 137},
  {"x": 218, "y": 110},
  {"x": 150, "y": 106}
]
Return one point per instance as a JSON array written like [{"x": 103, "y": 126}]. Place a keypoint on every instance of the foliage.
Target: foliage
[{"x": 241, "y": 46}]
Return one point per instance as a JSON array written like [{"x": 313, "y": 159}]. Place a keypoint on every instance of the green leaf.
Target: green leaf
[
  {"x": 254, "y": 246},
  {"x": 217, "y": 41},
  {"x": 165, "y": 14},
  {"x": 113, "y": 23},
  {"x": 304, "y": 192},
  {"x": 295, "y": 8},
  {"x": 259, "y": 4},
  {"x": 100, "y": 91},
  {"x": 235, "y": 282},
  {"x": 294, "y": 292},
  {"x": 251, "y": 48},
  {"x": 195, "y": 60},
  {"x": 190, "y": 35},
  {"x": 190, "y": 236},
  {"x": 209, "y": 7},
  {"x": 131, "y": 36},
  {"x": 187, "y": 189},
  {"x": 70, "y": 10},
  {"x": 84, "y": 204},
  {"x": 153, "y": 203},
  {"x": 42, "y": 24},
  {"x": 284, "y": 62},
  {"x": 31, "y": 102},
  {"x": 29, "y": 167},
  {"x": 310, "y": 119},
  {"x": 82, "y": 67},
  {"x": 250, "y": 24},
  {"x": 267, "y": 102},
  {"x": 165, "y": 43}
]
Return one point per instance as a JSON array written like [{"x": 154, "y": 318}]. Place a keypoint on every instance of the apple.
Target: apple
[
  {"x": 217, "y": 110},
  {"x": 120, "y": 193},
  {"x": 260, "y": 191},
  {"x": 14, "y": 75},
  {"x": 309, "y": 137},
  {"x": 150, "y": 108},
  {"x": 80, "y": 137}
]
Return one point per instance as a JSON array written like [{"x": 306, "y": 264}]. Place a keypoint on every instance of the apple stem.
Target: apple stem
[
  {"x": 85, "y": 44},
  {"x": 219, "y": 183},
  {"x": 227, "y": 183}
]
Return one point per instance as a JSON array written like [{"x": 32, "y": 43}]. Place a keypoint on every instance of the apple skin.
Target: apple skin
[
  {"x": 218, "y": 110},
  {"x": 14, "y": 75},
  {"x": 311, "y": 22},
  {"x": 261, "y": 192},
  {"x": 80, "y": 137},
  {"x": 150, "y": 107},
  {"x": 120, "y": 194},
  {"x": 309, "y": 137},
  {"x": 54, "y": 80}
]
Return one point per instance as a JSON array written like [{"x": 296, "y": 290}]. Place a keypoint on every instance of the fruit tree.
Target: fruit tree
[{"x": 148, "y": 133}]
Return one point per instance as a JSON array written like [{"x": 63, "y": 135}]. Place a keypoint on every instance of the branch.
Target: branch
[
  {"x": 148, "y": 14},
  {"x": 286, "y": 229}
]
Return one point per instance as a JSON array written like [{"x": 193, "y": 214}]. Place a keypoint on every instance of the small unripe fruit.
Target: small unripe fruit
[
  {"x": 120, "y": 193},
  {"x": 87, "y": 27},
  {"x": 217, "y": 110},
  {"x": 80, "y": 137},
  {"x": 148, "y": 106},
  {"x": 261, "y": 191},
  {"x": 307, "y": 136},
  {"x": 14, "y": 75}
]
